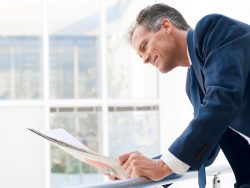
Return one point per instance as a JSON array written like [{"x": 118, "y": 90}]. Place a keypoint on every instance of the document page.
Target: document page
[{"x": 68, "y": 143}]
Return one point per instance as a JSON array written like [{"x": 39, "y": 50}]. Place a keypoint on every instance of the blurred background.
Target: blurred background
[{"x": 68, "y": 64}]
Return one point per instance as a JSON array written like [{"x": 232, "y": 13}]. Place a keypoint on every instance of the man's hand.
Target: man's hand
[
  {"x": 137, "y": 165},
  {"x": 111, "y": 177}
]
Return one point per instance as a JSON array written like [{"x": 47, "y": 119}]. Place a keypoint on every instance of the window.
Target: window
[
  {"x": 77, "y": 69},
  {"x": 134, "y": 128},
  {"x": 85, "y": 125},
  {"x": 97, "y": 89},
  {"x": 74, "y": 67},
  {"x": 21, "y": 50}
]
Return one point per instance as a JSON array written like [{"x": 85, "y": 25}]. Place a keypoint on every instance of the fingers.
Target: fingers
[
  {"x": 111, "y": 177},
  {"x": 136, "y": 165},
  {"x": 128, "y": 169},
  {"x": 128, "y": 162},
  {"x": 123, "y": 158}
]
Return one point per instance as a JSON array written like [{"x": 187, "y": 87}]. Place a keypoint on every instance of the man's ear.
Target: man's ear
[{"x": 166, "y": 25}]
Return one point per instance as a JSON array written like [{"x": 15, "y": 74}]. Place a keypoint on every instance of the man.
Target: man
[{"x": 217, "y": 54}]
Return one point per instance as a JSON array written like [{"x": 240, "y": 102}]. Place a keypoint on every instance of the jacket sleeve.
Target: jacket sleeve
[{"x": 222, "y": 45}]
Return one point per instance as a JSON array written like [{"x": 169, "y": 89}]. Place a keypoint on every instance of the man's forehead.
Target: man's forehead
[{"x": 138, "y": 36}]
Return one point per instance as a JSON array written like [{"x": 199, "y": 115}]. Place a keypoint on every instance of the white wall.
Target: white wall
[{"x": 22, "y": 154}]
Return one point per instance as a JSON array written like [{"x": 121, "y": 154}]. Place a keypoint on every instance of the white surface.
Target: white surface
[
  {"x": 22, "y": 152},
  {"x": 142, "y": 182}
]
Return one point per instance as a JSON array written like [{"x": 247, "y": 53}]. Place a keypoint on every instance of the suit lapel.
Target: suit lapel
[{"x": 195, "y": 64}]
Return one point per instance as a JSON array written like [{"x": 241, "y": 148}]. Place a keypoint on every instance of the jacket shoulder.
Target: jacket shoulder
[
  {"x": 215, "y": 30},
  {"x": 211, "y": 17},
  {"x": 211, "y": 20}
]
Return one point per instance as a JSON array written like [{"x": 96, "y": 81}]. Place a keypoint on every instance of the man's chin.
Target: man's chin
[
  {"x": 165, "y": 69},
  {"x": 162, "y": 70}
]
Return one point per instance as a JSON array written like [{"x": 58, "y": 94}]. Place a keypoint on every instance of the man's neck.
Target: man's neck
[{"x": 182, "y": 41}]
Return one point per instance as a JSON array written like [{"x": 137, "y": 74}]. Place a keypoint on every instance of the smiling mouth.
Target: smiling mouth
[{"x": 155, "y": 63}]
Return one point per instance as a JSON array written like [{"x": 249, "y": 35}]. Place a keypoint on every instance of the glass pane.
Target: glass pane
[
  {"x": 134, "y": 131},
  {"x": 128, "y": 77},
  {"x": 20, "y": 49},
  {"x": 74, "y": 29},
  {"x": 85, "y": 126}
]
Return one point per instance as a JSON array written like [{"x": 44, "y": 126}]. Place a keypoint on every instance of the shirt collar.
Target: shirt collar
[{"x": 189, "y": 59}]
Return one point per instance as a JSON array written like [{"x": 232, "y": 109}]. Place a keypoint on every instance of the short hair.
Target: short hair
[{"x": 151, "y": 18}]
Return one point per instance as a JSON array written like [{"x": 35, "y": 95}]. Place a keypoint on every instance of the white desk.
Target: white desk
[{"x": 144, "y": 182}]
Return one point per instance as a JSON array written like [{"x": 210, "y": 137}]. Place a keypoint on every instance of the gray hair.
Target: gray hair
[{"x": 151, "y": 18}]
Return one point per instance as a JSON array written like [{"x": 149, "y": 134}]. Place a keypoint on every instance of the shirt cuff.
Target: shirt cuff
[{"x": 175, "y": 164}]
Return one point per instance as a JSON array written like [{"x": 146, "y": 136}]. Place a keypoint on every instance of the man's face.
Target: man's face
[{"x": 158, "y": 48}]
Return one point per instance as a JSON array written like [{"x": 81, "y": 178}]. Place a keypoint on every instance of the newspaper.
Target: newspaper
[{"x": 65, "y": 141}]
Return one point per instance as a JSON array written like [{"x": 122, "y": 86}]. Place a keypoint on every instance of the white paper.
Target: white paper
[{"x": 66, "y": 142}]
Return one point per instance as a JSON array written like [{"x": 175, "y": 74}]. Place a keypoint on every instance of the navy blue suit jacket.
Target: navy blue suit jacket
[{"x": 220, "y": 46}]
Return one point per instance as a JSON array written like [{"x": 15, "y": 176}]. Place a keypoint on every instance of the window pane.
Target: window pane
[
  {"x": 128, "y": 77},
  {"x": 20, "y": 50},
  {"x": 85, "y": 126},
  {"x": 74, "y": 29},
  {"x": 134, "y": 130}
]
